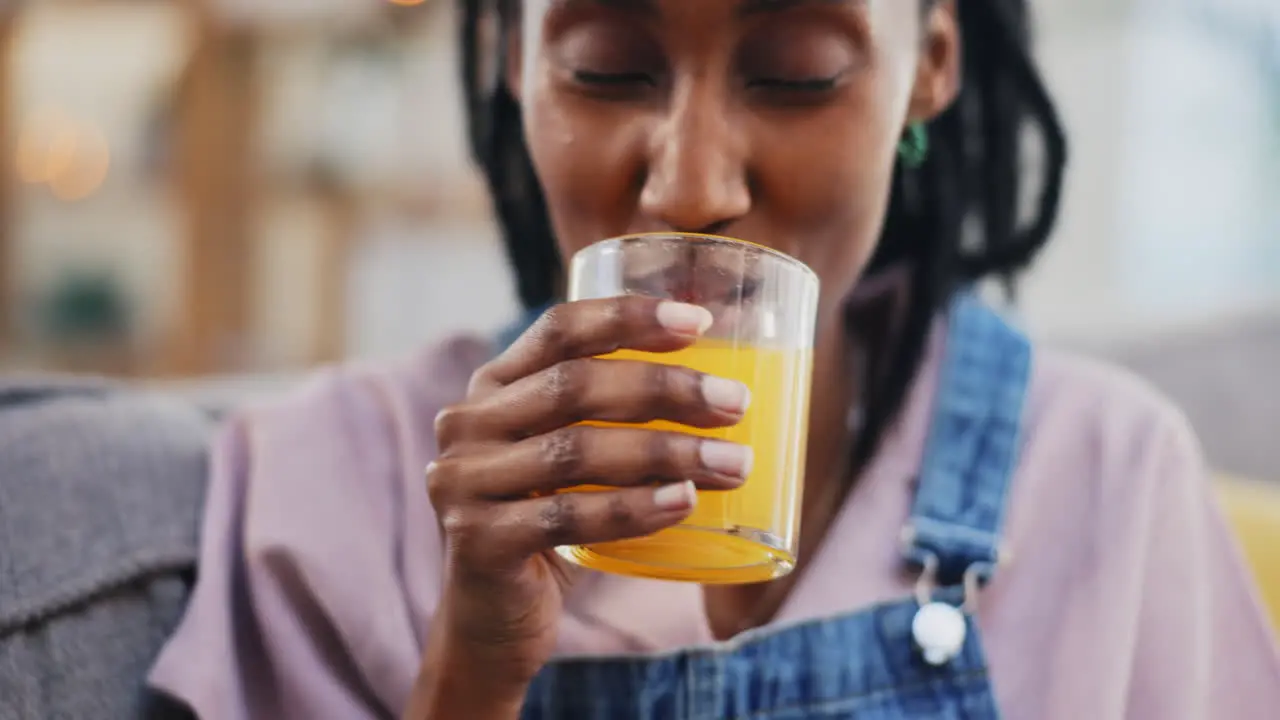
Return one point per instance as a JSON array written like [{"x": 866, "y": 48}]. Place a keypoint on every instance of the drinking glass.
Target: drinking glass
[{"x": 764, "y": 307}]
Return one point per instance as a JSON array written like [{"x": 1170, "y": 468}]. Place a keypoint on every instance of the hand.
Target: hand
[{"x": 516, "y": 440}]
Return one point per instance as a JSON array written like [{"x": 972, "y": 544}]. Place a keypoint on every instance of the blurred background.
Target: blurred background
[{"x": 222, "y": 189}]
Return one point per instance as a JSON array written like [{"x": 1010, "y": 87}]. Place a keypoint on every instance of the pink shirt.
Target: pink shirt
[{"x": 1125, "y": 596}]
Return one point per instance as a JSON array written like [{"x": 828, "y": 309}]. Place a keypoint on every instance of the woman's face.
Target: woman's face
[{"x": 775, "y": 121}]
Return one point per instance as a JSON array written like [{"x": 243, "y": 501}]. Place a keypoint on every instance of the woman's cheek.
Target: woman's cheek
[{"x": 588, "y": 157}]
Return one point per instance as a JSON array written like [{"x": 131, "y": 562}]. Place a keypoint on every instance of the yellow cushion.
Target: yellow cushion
[{"x": 1253, "y": 508}]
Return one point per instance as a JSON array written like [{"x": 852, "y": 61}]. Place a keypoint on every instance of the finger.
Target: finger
[
  {"x": 524, "y": 527},
  {"x": 592, "y": 389},
  {"x": 595, "y": 327},
  {"x": 617, "y": 457}
]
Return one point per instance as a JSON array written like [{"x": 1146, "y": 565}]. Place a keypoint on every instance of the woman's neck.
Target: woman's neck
[
  {"x": 845, "y": 344},
  {"x": 734, "y": 609},
  {"x": 850, "y": 347},
  {"x": 838, "y": 369}
]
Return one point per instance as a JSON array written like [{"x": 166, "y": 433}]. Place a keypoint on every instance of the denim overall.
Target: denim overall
[{"x": 865, "y": 665}]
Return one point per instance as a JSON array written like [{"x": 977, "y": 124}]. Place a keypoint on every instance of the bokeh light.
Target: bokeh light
[{"x": 72, "y": 158}]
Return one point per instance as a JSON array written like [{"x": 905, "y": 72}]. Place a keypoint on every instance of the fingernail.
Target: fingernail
[
  {"x": 726, "y": 458},
  {"x": 729, "y": 396},
  {"x": 677, "y": 496},
  {"x": 683, "y": 319}
]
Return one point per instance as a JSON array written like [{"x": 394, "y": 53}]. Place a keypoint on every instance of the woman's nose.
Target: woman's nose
[{"x": 696, "y": 177}]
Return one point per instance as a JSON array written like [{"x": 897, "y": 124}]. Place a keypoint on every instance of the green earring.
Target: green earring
[{"x": 914, "y": 147}]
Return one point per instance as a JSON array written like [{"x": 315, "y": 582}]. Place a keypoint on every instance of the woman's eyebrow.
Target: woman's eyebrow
[
  {"x": 747, "y": 7},
  {"x": 645, "y": 6}
]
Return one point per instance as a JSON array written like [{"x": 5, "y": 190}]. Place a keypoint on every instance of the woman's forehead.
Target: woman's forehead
[
  {"x": 700, "y": 16},
  {"x": 744, "y": 8}
]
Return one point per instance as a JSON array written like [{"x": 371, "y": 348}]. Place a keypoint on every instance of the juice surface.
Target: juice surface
[{"x": 735, "y": 536}]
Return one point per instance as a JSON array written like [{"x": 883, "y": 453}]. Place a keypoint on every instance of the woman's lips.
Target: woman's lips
[{"x": 702, "y": 274}]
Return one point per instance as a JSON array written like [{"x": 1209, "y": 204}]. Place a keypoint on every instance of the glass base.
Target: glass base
[{"x": 709, "y": 556}]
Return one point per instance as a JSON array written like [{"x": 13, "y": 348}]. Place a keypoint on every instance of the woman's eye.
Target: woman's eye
[
  {"x": 821, "y": 84},
  {"x": 588, "y": 77}
]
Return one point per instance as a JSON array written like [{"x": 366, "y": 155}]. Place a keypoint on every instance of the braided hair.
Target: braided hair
[{"x": 954, "y": 220}]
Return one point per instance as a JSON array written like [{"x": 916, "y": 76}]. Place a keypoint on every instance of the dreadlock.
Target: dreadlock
[{"x": 952, "y": 221}]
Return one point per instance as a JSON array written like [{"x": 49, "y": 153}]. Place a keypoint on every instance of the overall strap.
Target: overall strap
[{"x": 972, "y": 447}]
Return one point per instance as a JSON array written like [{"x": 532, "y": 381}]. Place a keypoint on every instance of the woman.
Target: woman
[{"x": 1061, "y": 504}]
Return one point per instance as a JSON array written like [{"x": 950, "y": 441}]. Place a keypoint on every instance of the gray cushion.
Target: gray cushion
[{"x": 100, "y": 502}]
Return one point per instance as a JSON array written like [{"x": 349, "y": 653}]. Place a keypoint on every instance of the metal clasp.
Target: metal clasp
[{"x": 927, "y": 584}]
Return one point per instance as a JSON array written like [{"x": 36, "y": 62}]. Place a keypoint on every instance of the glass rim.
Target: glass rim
[{"x": 789, "y": 260}]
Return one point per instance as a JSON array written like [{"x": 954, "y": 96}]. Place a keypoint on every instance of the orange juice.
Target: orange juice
[{"x": 735, "y": 536}]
